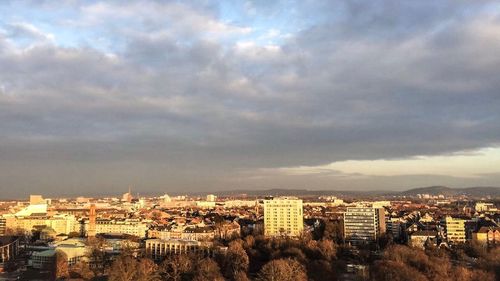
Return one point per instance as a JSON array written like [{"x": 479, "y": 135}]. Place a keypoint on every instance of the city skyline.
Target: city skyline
[{"x": 169, "y": 97}]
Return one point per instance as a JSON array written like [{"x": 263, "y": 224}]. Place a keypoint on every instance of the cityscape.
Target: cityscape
[
  {"x": 249, "y": 140},
  {"x": 426, "y": 236}
]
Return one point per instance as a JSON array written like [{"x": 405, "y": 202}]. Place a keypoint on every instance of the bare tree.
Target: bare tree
[
  {"x": 208, "y": 269},
  {"x": 124, "y": 268},
  {"x": 236, "y": 260},
  {"x": 282, "y": 270},
  {"x": 174, "y": 267},
  {"x": 61, "y": 269},
  {"x": 147, "y": 270}
]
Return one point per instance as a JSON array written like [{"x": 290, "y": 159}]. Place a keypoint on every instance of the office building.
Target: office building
[
  {"x": 363, "y": 225},
  {"x": 283, "y": 216}
]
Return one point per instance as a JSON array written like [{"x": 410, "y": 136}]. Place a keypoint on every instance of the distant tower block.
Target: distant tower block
[
  {"x": 92, "y": 218},
  {"x": 257, "y": 209},
  {"x": 211, "y": 198},
  {"x": 127, "y": 197}
]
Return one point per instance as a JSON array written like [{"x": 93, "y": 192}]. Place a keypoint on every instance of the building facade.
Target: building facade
[
  {"x": 283, "y": 216},
  {"x": 3, "y": 226},
  {"x": 158, "y": 249},
  {"x": 455, "y": 229},
  {"x": 9, "y": 248},
  {"x": 488, "y": 236},
  {"x": 60, "y": 223},
  {"x": 134, "y": 227},
  {"x": 363, "y": 225}
]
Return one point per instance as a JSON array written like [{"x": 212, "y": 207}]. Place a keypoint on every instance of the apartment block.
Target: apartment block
[
  {"x": 283, "y": 216},
  {"x": 455, "y": 229},
  {"x": 363, "y": 225}
]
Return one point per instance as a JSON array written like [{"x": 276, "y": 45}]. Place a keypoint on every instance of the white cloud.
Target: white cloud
[{"x": 464, "y": 164}]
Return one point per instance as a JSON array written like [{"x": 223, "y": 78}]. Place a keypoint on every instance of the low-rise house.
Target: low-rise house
[
  {"x": 421, "y": 238},
  {"x": 488, "y": 236}
]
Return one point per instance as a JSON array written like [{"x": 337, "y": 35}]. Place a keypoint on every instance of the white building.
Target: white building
[{"x": 211, "y": 198}]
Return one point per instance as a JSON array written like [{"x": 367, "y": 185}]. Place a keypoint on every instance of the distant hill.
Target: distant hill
[
  {"x": 431, "y": 190},
  {"x": 448, "y": 191},
  {"x": 298, "y": 192}
]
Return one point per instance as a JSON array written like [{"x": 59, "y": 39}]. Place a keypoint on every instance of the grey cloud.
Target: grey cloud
[{"x": 175, "y": 112}]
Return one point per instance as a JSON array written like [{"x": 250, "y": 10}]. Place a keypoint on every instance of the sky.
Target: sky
[{"x": 187, "y": 96}]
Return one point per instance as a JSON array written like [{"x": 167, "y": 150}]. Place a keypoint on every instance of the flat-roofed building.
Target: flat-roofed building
[
  {"x": 60, "y": 223},
  {"x": 43, "y": 259},
  {"x": 363, "y": 225},
  {"x": 283, "y": 216},
  {"x": 3, "y": 226},
  {"x": 135, "y": 227},
  {"x": 158, "y": 249},
  {"x": 455, "y": 229}
]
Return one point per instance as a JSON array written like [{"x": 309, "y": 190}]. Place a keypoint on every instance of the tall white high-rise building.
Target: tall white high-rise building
[{"x": 283, "y": 216}]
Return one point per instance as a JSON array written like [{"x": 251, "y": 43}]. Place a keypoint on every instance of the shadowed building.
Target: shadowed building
[
  {"x": 9, "y": 248},
  {"x": 363, "y": 225}
]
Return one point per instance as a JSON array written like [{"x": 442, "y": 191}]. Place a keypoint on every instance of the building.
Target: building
[
  {"x": 9, "y": 248},
  {"x": 3, "y": 226},
  {"x": 395, "y": 227},
  {"x": 158, "y": 249},
  {"x": 488, "y": 236},
  {"x": 74, "y": 250},
  {"x": 205, "y": 204},
  {"x": 485, "y": 207},
  {"x": 421, "y": 238},
  {"x": 363, "y": 225},
  {"x": 91, "y": 232},
  {"x": 127, "y": 197},
  {"x": 455, "y": 229},
  {"x": 134, "y": 227},
  {"x": 193, "y": 233},
  {"x": 283, "y": 216},
  {"x": 43, "y": 259},
  {"x": 211, "y": 198},
  {"x": 36, "y": 199},
  {"x": 60, "y": 223}
]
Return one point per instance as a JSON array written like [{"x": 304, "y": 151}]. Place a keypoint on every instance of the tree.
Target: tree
[
  {"x": 61, "y": 269},
  {"x": 96, "y": 255},
  {"x": 236, "y": 260},
  {"x": 282, "y": 270},
  {"x": 81, "y": 270},
  {"x": 241, "y": 276},
  {"x": 147, "y": 270},
  {"x": 395, "y": 271},
  {"x": 73, "y": 234},
  {"x": 174, "y": 267},
  {"x": 327, "y": 249},
  {"x": 320, "y": 270},
  {"x": 124, "y": 268},
  {"x": 208, "y": 269}
]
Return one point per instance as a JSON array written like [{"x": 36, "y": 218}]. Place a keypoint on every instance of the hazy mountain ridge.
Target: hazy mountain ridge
[
  {"x": 448, "y": 191},
  {"x": 431, "y": 190}
]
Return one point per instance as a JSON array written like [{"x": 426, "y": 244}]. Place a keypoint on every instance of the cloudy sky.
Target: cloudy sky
[{"x": 176, "y": 96}]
